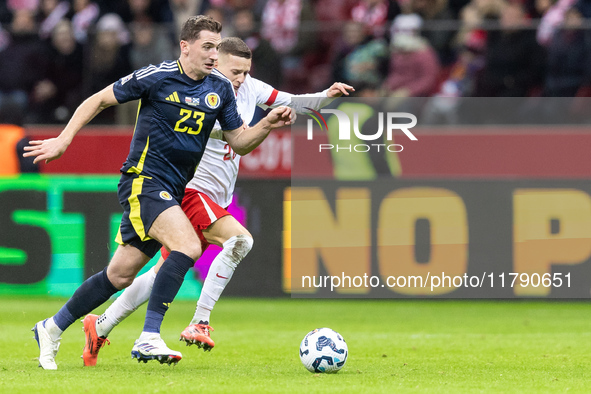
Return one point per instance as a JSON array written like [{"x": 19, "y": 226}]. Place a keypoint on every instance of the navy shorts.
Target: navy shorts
[{"x": 142, "y": 199}]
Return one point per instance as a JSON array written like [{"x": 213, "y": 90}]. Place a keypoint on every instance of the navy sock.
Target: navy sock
[
  {"x": 93, "y": 292},
  {"x": 167, "y": 284}
]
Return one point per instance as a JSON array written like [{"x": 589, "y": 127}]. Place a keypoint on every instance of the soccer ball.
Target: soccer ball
[{"x": 323, "y": 350}]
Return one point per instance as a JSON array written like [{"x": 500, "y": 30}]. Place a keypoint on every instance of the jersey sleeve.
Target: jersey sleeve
[
  {"x": 229, "y": 117},
  {"x": 267, "y": 96},
  {"x": 134, "y": 86}
]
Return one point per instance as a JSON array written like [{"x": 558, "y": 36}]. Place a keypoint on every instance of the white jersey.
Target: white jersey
[{"x": 217, "y": 172}]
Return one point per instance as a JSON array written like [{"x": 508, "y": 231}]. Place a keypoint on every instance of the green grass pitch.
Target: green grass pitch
[{"x": 394, "y": 346}]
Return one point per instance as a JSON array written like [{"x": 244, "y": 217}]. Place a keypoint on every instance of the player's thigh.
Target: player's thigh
[
  {"x": 173, "y": 229},
  {"x": 223, "y": 229},
  {"x": 125, "y": 264},
  {"x": 203, "y": 213}
]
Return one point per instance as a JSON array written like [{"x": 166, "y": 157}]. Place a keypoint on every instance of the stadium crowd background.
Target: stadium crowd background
[{"x": 55, "y": 53}]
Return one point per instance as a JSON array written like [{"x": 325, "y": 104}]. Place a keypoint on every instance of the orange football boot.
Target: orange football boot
[
  {"x": 94, "y": 343},
  {"x": 198, "y": 334}
]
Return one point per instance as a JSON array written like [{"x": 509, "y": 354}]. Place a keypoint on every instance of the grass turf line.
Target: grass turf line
[{"x": 394, "y": 345}]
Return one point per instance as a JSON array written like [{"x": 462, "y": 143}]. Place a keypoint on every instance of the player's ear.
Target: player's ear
[{"x": 184, "y": 47}]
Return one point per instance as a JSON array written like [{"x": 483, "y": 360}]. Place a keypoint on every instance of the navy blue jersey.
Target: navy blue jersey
[{"x": 175, "y": 117}]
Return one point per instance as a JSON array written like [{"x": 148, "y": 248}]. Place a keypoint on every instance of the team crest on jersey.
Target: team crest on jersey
[
  {"x": 192, "y": 100},
  {"x": 212, "y": 100},
  {"x": 165, "y": 196}
]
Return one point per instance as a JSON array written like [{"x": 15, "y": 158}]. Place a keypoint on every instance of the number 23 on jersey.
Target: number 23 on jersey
[{"x": 187, "y": 116}]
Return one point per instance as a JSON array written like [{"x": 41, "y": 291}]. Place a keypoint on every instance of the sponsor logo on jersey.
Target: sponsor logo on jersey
[
  {"x": 174, "y": 97},
  {"x": 192, "y": 100},
  {"x": 212, "y": 100},
  {"x": 165, "y": 196},
  {"x": 126, "y": 79}
]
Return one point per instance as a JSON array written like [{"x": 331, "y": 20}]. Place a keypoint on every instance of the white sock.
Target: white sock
[
  {"x": 221, "y": 271},
  {"x": 201, "y": 314},
  {"x": 131, "y": 299},
  {"x": 148, "y": 335},
  {"x": 52, "y": 329}
]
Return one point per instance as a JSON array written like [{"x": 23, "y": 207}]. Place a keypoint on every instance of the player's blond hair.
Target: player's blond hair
[{"x": 236, "y": 47}]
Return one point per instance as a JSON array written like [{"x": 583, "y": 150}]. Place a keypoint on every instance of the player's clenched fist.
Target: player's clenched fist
[{"x": 281, "y": 116}]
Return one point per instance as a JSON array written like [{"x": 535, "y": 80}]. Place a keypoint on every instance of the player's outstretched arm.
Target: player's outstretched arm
[
  {"x": 245, "y": 139},
  {"x": 301, "y": 103},
  {"x": 52, "y": 148}
]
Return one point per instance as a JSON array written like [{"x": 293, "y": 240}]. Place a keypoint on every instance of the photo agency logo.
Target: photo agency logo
[{"x": 359, "y": 142}]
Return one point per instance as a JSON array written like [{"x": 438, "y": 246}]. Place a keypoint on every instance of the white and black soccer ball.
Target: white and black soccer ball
[{"x": 323, "y": 350}]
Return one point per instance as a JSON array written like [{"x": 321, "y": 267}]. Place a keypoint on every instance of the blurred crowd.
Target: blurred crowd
[{"x": 55, "y": 53}]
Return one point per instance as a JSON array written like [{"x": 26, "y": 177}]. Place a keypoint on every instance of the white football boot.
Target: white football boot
[
  {"x": 154, "y": 348},
  {"x": 47, "y": 347}
]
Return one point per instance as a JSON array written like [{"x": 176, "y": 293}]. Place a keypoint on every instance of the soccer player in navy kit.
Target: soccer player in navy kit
[{"x": 179, "y": 103}]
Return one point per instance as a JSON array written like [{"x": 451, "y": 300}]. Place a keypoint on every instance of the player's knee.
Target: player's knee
[
  {"x": 121, "y": 281},
  {"x": 238, "y": 247},
  {"x": 193, "y": 251}
]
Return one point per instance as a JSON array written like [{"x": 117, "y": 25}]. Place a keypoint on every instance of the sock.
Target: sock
[
  {"x": 93, "y": 292},
  {"x": 221, "y": 271},
  {"x": 52, "y": 329},
  {"x": 148, "y": 335},
  {"x": 132, "y": 298},
  {"x": 201, "y": 315},
  {"x": 166, "y": 285}
]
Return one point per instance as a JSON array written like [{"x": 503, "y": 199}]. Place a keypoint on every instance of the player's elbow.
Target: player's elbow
[
  {"x": 240, "y": 148},
  {"x": 242, "y": 151}
]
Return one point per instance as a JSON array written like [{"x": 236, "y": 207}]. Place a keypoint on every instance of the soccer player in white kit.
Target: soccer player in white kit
[{"x": 206, "y": 198}]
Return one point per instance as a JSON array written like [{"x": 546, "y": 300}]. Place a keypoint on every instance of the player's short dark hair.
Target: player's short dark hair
[
  {"x": 196, "y": 24},
  {"x": 236, "y": 47}
]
